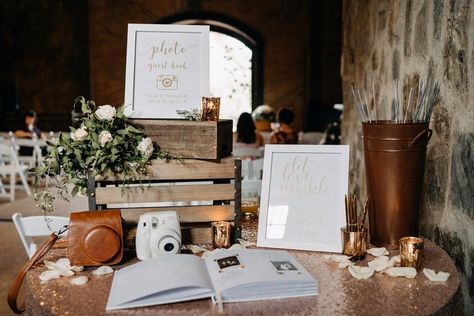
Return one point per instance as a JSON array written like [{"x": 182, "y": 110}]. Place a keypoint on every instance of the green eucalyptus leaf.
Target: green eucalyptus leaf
[{"x": 75, "y": 190}]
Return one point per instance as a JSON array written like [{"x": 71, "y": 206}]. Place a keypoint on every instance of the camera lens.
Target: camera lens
[{"x": 169, "y": 247}]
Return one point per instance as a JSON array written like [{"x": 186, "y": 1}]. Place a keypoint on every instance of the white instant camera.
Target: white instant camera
[{"x": 158, "y": 233}]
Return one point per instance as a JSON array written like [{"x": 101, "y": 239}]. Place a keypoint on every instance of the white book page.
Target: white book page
[
  {"x": 239, "y": 271},
  {"x": 169, "y": 278}
]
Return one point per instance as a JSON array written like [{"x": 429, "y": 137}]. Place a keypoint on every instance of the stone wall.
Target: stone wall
[{"x": 386, "y": 40}]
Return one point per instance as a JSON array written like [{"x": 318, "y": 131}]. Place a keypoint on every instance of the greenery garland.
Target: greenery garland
[{"x": 105, "y": 142}]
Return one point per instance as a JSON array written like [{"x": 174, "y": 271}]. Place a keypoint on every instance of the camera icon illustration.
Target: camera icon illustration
[{"x": 167, "y": 82}]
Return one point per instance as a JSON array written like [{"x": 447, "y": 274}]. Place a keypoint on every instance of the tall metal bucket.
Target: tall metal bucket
[{"x": 394, "y": 162}]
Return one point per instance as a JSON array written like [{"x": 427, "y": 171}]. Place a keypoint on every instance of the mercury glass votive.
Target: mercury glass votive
[
  {"x": 221, "y": 233},
  {"x": 210, "y": 108},
  {"x": 411, "y": 252},
  {"x": 354, "y": 241}
]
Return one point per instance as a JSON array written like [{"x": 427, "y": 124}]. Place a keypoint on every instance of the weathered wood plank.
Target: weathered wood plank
[
  {"x": 187, "y": 214},
  {"x": 190, "y": 139},
  {"x": 175, "y": 193},
  {"x": 187, "y": 169}
]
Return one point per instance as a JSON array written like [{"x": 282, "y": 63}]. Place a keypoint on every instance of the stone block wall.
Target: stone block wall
[{"x": 385, "y": 40}]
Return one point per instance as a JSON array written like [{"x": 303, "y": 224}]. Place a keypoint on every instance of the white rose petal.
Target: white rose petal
[
  {"x": 106, "y": 112},
  {"x": 236, "y": 246},
  {"x": 63, "y": 263},
  {"x": 436, "y": 277},
  {"x": 104, "y": 138},
  {"x": 102, "y": 270},
  {"x": 49, "y": 275},
  {"x": 77, "y": 268},
  {"x": 246, "y": 243},
  {"x": 406, "y": 272},
  {"x": 146, "y": 147},
  {"x": 380, "y": 263},
  {"x": 339, "y": 258},
  {"x": 361, "y": 273},
  {"x": 394, "y": 260},
  {"x": 50, "y": 264},
  {"x": 64, "y": 272},
  {"x": 376, "y": 252},
  {"x": 197, "y": 249},
  {"x": 80, "y": 134},
  {"x": 80, "y": 280},
  {"x": 345, "y": 264}
]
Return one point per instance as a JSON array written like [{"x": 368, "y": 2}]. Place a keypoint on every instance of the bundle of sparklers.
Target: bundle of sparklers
[
  {"x": 353, "y": 224},
  {"x": 417, "y": 109}
]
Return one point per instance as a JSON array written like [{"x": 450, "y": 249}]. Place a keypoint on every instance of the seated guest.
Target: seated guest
[
  {"x": 284, "y": 134},
  {"x": 30, "y": 129},
  {"x": 246, "y": 135}
]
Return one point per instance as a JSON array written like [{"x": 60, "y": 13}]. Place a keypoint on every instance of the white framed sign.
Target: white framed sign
[
  {"x": 167, "y": 69},
  {"x": 302, "y": 200}
]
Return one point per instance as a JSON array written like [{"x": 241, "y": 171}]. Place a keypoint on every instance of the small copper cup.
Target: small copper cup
[
  {"x": 221, "y": 233},
  {"x": 210, "y": 108},
  {"x": 354, "y": 241},
  {"x": 411, "y": 252}
]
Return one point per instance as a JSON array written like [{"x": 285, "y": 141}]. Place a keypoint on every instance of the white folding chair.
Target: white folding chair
[
  {"x": 251, "y": 188},
  {"x": 257, "y": 169},
  {"x": 311, "y": 138},
  {"x": 10, "y": 166},
  {"x": 246, "y": 168},
  {"x": 35, "y": 226},
  {"x": 36, "y": 159},
  {"x": 247, "y": 152}
]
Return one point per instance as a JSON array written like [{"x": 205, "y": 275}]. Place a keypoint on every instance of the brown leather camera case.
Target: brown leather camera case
[{"x": 95, "y": 238}]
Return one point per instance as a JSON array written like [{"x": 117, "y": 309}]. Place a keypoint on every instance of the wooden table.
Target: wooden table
[{"x": 339, "y": 292}]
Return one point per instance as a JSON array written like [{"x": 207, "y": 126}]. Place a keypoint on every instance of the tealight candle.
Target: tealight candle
[
  {"x": 210, "y": 108},
  {"x": 221, "y": 232},
  {"x": 411, "y": 252}
]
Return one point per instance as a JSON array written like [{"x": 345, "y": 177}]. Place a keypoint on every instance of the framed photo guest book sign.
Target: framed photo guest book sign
[
  {"x": 167, "y": 69},
  {"x": 302, "y": 200}
]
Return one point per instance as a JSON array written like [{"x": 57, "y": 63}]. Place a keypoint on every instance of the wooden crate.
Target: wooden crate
[
  {"x": 179, "y": 182},
  {"x": 190, "y": 139}
]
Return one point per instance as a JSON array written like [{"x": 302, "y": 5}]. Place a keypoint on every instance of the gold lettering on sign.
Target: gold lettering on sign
[
  {"x": 301, "y": 177},
  {"x": 157, "y": 54}
]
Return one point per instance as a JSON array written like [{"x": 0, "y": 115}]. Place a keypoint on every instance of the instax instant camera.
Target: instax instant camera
[{"x": 158, "y": 233}]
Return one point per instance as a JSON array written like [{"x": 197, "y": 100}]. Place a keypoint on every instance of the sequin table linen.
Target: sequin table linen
[{"x": 339, "y": 292}]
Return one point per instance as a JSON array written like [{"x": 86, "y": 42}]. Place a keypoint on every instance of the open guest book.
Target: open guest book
[{"x": 226, "y": 276}]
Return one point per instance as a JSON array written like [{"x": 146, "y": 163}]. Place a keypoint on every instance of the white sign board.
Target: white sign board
[
  {"x": 302, "y": 201},
  {"x": 167, "y": 69}
]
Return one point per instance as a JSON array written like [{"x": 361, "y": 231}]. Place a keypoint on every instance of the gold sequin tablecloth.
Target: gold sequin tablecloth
[{"x": 339, "y": 292}]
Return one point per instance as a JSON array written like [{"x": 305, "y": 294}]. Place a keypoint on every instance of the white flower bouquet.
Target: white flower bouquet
[{"x": 105, "y": 142}]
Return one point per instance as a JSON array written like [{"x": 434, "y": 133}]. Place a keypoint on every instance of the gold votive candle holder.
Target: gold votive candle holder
[
  {"x": 221, "y": 234},
  {"x": 249, "y": 207},
  {"x": 210, "y": 108},
  {"x": 354, "y": 241},
  {"x": 411, "y": 251}
]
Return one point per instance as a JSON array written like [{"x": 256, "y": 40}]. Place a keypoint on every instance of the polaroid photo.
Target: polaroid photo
[
  {"x": 283, "y": 267},
  {"x": 228, "y": 262}
]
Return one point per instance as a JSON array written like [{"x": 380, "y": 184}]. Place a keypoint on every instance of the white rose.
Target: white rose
[
  {"x": 104, "y": 137},
  {"x": 80, "y": 133},
  {"x": 106, "y": 112},
  {"x": 146, "y": 147}
]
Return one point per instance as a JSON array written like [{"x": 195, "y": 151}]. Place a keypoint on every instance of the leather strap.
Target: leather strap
[{"x": 16, "y": 285}]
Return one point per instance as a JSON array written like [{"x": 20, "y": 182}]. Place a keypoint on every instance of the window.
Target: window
[
  {"x": 236, "y": 53},
  {"x": 231, "y": 75}
]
